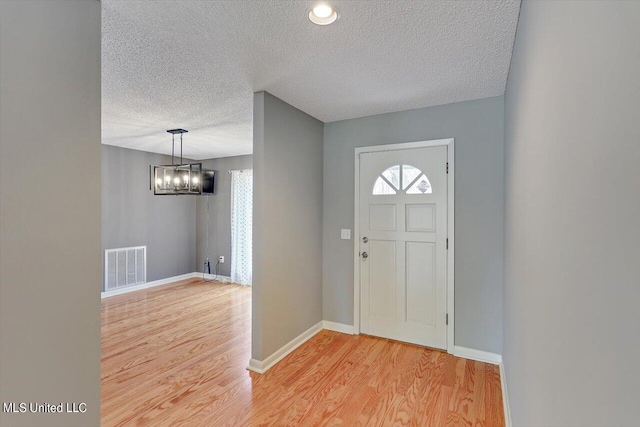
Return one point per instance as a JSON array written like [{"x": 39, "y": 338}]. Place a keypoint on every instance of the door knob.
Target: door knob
[
  {"x": 365, "y": 255},
  {"x": 365, "y": 239}
]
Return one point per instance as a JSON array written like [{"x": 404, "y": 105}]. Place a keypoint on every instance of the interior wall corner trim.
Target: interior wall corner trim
[{"x": 262, "y": 366}]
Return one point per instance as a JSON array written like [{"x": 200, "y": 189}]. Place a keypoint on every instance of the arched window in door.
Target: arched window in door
[{"x": 402, "y": 179}]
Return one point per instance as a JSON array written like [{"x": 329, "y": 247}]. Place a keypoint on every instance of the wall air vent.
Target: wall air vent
[{"x": 125, "y": 267}]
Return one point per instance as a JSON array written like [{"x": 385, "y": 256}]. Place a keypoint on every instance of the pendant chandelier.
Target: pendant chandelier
[{"x": 181, "y": 178}]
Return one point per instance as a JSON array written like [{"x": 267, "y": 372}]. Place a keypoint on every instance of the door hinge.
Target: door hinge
[
  {"x": 447, "y": 318},
  {"x": 447, "y": 167},
  {"x": 447, "y": 243}
]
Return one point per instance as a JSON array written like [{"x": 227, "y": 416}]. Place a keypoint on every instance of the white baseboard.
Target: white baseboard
[
  {"x": 152, "y": 284},
  {"x": 493, "y": 358},
  {"x": 337, "y": 327},
  {"x": 194, "y": 275},
  {"x": 479, "y": 355},
  {"x": 505, "y": 397},
  {"x": 222, "y": 279},
  {"x": 261, "y": 366}
]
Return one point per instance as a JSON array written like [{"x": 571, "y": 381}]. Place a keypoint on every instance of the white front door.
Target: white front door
[{"x": 403, "y": 245}]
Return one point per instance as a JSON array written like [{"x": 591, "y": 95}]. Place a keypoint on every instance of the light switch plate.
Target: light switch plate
[{"x": 345, "y": 234}]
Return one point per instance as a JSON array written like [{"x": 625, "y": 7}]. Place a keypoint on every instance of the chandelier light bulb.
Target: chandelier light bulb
[{"x": 195, "y": 180}]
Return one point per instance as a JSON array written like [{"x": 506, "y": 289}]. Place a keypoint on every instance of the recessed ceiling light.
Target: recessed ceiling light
[{"x": 323, "y": 15}]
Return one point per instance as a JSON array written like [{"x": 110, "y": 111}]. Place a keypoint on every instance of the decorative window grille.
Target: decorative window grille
[{"x": 402, "y": 179}]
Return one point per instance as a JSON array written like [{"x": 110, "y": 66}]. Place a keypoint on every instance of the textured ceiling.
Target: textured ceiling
[{"x": 195, "y": 64}]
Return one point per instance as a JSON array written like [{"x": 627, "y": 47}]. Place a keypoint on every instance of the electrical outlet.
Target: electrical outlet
[
  {"x": 345, "y": 234},
  {"x": 221, "y": 259}
]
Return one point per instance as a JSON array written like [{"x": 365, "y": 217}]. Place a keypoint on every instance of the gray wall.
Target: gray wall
[
  {"x": 287, "y": 233},
  {"x": 50, "y": 208},
  {"x": 477, "y": 127},
  {"x": 219, "y": 213},
  {"x": 572, "y": 233},
  {"x": 133, "y": 216}
]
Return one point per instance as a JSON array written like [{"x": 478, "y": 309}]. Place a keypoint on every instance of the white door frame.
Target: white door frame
[{"x": 450, "y": 228}]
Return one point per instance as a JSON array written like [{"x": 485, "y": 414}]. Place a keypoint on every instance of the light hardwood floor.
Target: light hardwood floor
[{"x": 176, "y": 356}]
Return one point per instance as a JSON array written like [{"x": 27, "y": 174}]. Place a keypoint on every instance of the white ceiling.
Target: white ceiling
[{"x": 195, "y": 64}]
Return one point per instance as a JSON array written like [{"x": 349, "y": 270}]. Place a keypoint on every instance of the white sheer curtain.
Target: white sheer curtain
[{"x": 241, "y": 226}]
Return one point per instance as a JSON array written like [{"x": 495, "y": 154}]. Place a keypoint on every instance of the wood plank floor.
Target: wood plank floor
[{"x": 176, "y": 356}]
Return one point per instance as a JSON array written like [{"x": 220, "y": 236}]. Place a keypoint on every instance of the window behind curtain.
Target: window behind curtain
[{"x": 241, "y": 226}]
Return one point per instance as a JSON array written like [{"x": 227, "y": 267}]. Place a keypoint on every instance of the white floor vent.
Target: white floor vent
[{"x": 125, "y": 267}]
